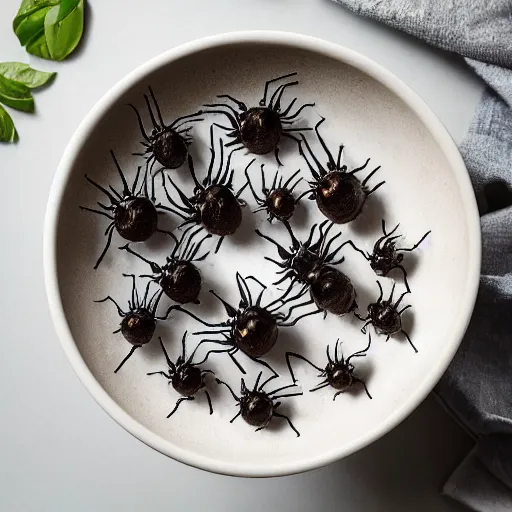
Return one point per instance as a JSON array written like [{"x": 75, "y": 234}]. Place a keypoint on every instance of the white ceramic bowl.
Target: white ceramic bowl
[{"x": 427, "y": 188}]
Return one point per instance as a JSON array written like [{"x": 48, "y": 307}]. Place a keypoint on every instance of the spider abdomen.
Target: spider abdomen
[
  {"x": 138, "y": 327},
  {"x": 340, "y": 197},
  {"x": 340, "y": 378},
  {"x": 221, "y": 213},
  {"x": 260, "y": 130},
  {"x": 332, "y": 290},
  {"x": 187, "y": 380},
  {"x": 136, "y": 219},
  {"x": 182, "y": 283},
  {"x": 385, "y": 318},
  {"x": 170, "y": 149},
  {"x": 281, "y": 203},
  {"x": 257, "y": 409},
  {"x": 255, "y": 331}
]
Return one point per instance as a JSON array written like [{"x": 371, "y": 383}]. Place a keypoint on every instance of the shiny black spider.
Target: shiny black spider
[
  {"x": 138, "y": 324},
  {"x": 278, "y": 200},
  {"x": 339, "y": 195},
  {"x": 179, "y": 278},
  {"x": 252, "y": 328},
  {"x": 257, "y": 407},
  {"x": 385, "y": 316},
  {"x": 386, "y": 256},
  {"x": 167, "y": 145},
  {"x": 186, "y": 377},
  {"x": 133, "y": 213},
  {"x": 338, "y": 373},
  {"x": 310, "y": 264},
  {"x": 259, "y": 129},
  {"x": 214, "y": 205}
]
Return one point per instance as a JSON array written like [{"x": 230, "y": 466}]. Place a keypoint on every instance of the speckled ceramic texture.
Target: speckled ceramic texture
[{"x": 426, "y": 188}]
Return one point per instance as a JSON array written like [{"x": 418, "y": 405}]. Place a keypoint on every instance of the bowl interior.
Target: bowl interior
[{"x": 422, "y": 192}]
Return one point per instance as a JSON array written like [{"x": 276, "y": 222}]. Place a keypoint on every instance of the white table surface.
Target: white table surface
[{"x": 58, "y": 450}]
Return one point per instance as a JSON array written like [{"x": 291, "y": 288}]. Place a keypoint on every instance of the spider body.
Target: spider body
[
  {"x": 179, "y": 278},
  {"x": 185, "y": 376},
  {"x": 214, "y": 205},
  {"x": 260, "y": 129},
  {"x": 258, "y": 407},
  {"x": 385, "y": 316},
  {"x": 132, "y": 212},
  {"x": 165, "y": 144},
  {"x": 278, "y": 200},
  {"x": 338, "y": 373},
  {"x": 339, "y": 194},
  {"x": 138, "y": 324},
  {"x": 386, "y": 256},
  {"x": 310, "y": 264},
  {"x": 251, "y": 328}
]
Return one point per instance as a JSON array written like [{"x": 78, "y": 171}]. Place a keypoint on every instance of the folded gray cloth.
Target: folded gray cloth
[{"x": 477, "y": 388}]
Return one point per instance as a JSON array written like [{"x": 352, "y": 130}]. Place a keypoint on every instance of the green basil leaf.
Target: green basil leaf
[
  {"x": 63, "y": 28},
  {"x": 50, "y": 29},
  {"x": 23, "y": 73},
  {"x": 29, "y": 22},
  {"x": 8, "y": 132},
  {"x": 16, "y": 95}
]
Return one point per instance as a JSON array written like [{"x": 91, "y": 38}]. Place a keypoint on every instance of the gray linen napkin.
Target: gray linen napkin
[{"x": 477, "y": 388}]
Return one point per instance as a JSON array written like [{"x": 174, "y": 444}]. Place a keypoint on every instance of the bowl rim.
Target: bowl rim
[{"x": 62, "y": 176}]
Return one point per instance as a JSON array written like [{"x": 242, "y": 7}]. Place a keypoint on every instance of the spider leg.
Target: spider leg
[
  {"x": 283, "y": 253},
  {"x": 141, "y": 125},
  {"x": 184, "y": 199},
  {"x": 168, "y": 377},
  {"x": 361, "y": 381},
  {"x": 218, "y": 381},
  {"x": 415, "y": 246},
  {"x": 272, "y": 377},
  {"x": 363, "y": 329},
  {"x": 235, "y": 417},
  {"x": 401, "y": 297},
  {"x": 179, "y": 308},
  {"x": 219, "y": 243},
  {"x": 275, "y": 100},
  {"x": 403, "y": 309},
  {"x": 282, "y": 388},
  {"x": 187, "y": 117},
  {"x": 278, "y": 415},
  {"x": 369, "y": 192},
  {"x": 340, "y": 152},
  {"x": 241, "y": 105},
  {"x": 244, "y": 291},
  {"x": 404, "y": 272},
  {"x": 168, "y": 312},
  {"x": 263, "y": 363},
  {"x": 290, "y": 179},
  {"x": 381, "y": 292},
  {"x": 97, "y": 211},
  {"x": 104, "y": 190},
  {"x": 354, "y": 171},
  {"x": 289, "y": 119},
  {"x": 349, "y": 242},
  {"x": 134, "y": 348},
  {"x": 322, "y": 384},
  {"x": 263, "y": 101},
  {"x": 287, "y": 110},
  {"x": 179, "y": 402},
  {"x": 361, "y": 353},
  {"x": 276, "y": 155},
  {"x": 291, "y": 324},
  {"x": 256, "y": 197},
  {"x": 209, "y": 401},
  {"x": 119, "y": 310},
  {"x": 288, "y": 363},
  {"x": 315, "y": 173},
  {"x": 154, "y": 266},
  {"x": 170, "y": 364},
  {"x": 365, "y": 181},
  {"x": 107, "y": 245},
  {"x": 410, "y": 342}
]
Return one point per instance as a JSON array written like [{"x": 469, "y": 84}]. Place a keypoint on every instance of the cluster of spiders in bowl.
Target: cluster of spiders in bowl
[{"x": 215, "y": 209}]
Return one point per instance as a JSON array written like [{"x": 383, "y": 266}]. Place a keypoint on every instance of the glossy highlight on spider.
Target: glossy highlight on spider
[
  {"x": 260, "y": 129},
  {"x": 258, "y": 407},
  {"x": 339, "y": 195},
  {"x": 185, "y": 376}
]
